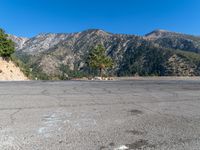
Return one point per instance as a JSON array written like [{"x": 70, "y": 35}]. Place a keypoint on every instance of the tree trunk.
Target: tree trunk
[{"x": 101, "y": 72}]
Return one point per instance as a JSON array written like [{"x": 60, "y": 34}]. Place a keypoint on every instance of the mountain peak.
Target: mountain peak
[
  {"x": 160, "y": 30},
  {"x": 96, "y": 31},
  {"x": 19, "y": 41},
  {"x": 157, "y": 34}
]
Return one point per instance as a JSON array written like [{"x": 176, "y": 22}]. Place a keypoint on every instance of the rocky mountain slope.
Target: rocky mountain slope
[
  {"x": 175, "y": 40},
  {"x": 9, "y": 71},
  {"x": 19, "y": 41},
  {"x": 157, "y": 53}
]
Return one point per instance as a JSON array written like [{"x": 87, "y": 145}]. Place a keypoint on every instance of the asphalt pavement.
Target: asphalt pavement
[{"x": 100, "y": 115}]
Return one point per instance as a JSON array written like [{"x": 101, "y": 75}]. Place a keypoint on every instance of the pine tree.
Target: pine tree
[
  {"x": 6, "y": 46},
  {"x": 97, "y": 59}
]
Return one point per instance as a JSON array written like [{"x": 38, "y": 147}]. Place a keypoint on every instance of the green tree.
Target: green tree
[
  {"x": 7, "y": 47},
  {"x": 97, "y": 59}
]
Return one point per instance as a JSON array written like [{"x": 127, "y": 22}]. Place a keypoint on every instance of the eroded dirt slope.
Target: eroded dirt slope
[{"x": 9, "y": 71}]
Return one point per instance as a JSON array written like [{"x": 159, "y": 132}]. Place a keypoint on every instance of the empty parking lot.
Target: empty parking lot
[{"x": 100, "y": 115}]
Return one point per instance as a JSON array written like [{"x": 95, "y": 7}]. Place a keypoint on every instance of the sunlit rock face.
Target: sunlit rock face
[{"x": 19, "y": 41}]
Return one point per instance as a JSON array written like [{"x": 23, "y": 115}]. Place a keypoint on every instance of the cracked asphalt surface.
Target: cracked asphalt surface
[{"x": 100, "y": 115}]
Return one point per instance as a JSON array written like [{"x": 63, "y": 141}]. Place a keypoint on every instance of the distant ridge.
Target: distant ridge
[{"x": 159, "y": 52}]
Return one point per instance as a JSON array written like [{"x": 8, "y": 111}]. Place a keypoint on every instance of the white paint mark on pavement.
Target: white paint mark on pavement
[{"x": 123, "y": 147}]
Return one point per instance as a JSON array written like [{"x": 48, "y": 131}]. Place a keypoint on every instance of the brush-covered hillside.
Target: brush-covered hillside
[
  {"x": 8, "y": 69},
  {"x": 160, "y": 53}
]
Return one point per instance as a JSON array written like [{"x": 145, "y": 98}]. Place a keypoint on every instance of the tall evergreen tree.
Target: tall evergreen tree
[
  {"x": 97, "y": 59},
  {"x": 7, "y": 47}
]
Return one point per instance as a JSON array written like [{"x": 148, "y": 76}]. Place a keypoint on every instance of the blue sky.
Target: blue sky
[{"x": 30, "y": 17}]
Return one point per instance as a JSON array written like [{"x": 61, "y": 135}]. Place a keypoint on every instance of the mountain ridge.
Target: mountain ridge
[
  {"x": 155, "y": 35},
  {"x": 47, "y": 52}
]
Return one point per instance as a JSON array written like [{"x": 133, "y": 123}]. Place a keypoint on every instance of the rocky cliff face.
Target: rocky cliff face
[{"x": 47, "y": 52}]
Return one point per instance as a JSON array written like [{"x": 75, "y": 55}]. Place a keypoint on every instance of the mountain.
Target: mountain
[
  {"x": 175, "y": 40},
  {"x": 19, "y": 41},
  {"x": 157, "y": 53}
]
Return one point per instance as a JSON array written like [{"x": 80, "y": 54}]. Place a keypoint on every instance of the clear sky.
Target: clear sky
[{"x": 30, "y": 17}]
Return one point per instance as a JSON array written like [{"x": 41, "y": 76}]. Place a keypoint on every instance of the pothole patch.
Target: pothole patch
[
  {"x": 140, "y": 144},
  {"x": 135, "y": 112},
  {"x": 134, "y": 132}
]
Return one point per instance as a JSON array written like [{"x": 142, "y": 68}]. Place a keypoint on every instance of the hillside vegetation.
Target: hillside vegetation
[
  {"x": 159, "y": 53},
  {"x": 8, "y": 69}
]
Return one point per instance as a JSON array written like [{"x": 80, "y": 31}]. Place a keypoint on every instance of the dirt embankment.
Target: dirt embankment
[{"x": 9, "y": 71}]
